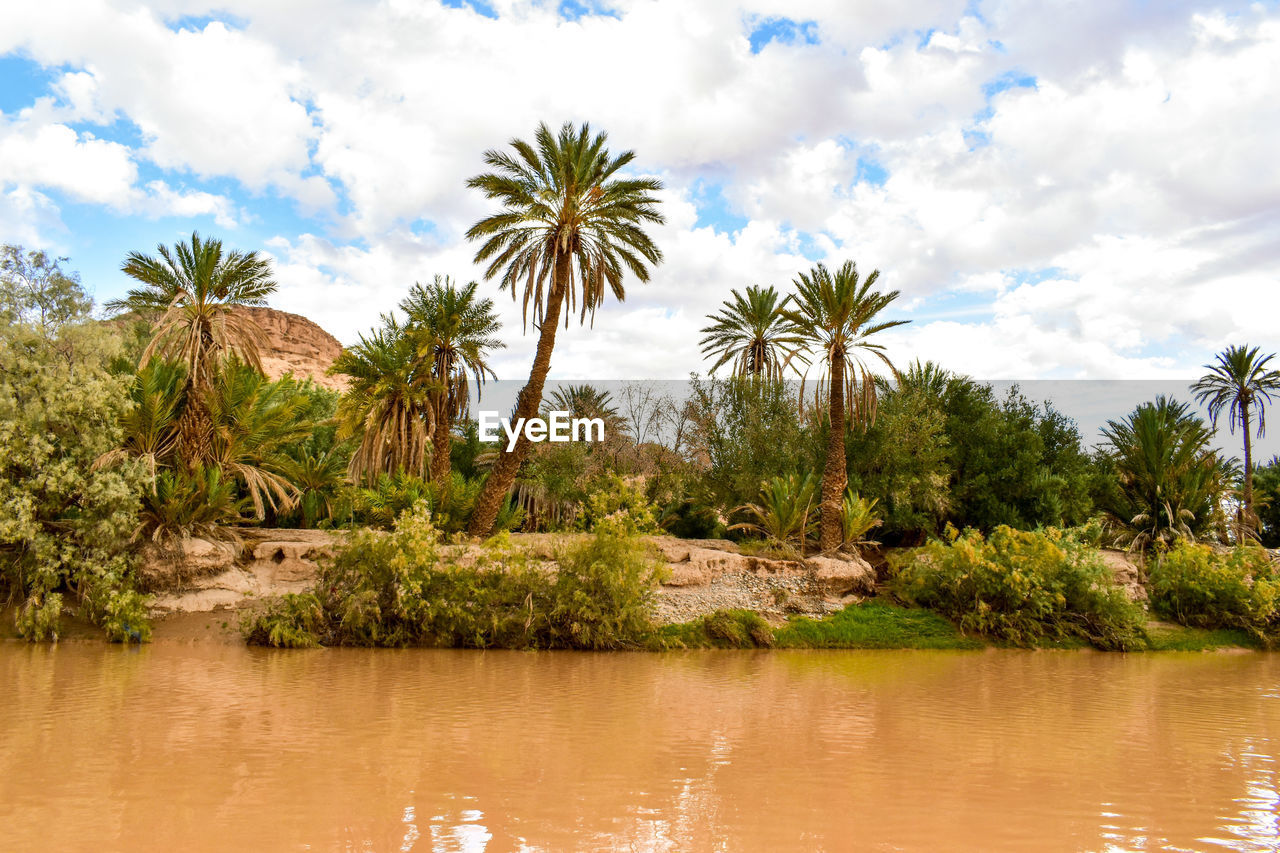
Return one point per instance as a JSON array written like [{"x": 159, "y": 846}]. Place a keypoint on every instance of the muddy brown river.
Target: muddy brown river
[{"x": 201, "y": 746}]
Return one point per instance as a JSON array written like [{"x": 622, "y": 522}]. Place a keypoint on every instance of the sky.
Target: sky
[{"x": 1060, "y": 189}]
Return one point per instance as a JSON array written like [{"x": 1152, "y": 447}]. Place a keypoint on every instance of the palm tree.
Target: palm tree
[
  {"x": 456, "y": 331},
  {"x": 585, "y": 401},
  {"x": 389, "y": 405},
  {"x": 568, "y": 228},
  {"x": 1237, "y": 382},
  {"x": 752, "y": 333},
  {"x": 253, "y": 421},
  {"x": 835, "y": 313},
  {"x": 192, "y": 290},
  {"x": 1169, "y": 477}
]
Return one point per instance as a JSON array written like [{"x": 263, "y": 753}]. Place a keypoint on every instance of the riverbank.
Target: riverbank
[{"x": 709, "y": 594}]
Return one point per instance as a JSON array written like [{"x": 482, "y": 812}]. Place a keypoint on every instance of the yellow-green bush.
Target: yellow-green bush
[
  {"x": 1194, "y": 585},
  {"x": 1023, "y": 587},
  {"x": 404, "y": 589}
]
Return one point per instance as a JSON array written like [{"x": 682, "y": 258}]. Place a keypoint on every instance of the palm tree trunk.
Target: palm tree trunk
[
  {"x": 195, "y": 427},
  {"x": 1248, "y": 519},
  {"x": 835, "y": 474},
  {"x": 528, "y": 403},
  {"x": 441, "y": 444}
]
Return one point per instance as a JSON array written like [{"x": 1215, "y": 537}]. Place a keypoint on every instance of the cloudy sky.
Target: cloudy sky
[{"x": 1059, "y": 189}]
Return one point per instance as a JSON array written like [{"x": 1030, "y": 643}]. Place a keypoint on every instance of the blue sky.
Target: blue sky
[{"x": 1059, "y": 190}]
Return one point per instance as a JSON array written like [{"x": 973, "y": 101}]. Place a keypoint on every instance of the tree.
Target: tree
[
  {"x": 1170, "y": 478},
  {"x": 65, "y": 524},
  {"x": 752, "y": 333},
  {"x": 836, "y": 314},
  {"x": 1239, "y": 381},
  {"x": 456, "y": 331},
  {"x": 568, "y": 228},
  {"x": 191, "y": 291},
  {"x": 35, "y": 291},
  {"x": 390, "y": 404}
]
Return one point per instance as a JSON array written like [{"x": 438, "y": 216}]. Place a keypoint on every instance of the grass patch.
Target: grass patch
[
  {"x": 875, "y": 625},
  {"x": 1167, "y": 637},
  {"x": 724, "y": 629}
]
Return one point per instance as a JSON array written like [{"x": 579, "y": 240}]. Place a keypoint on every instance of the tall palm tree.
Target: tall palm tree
[
  {"x": 191, "y": 291},
  {"x": 456, "y": 331},
  {"x": 389, "y": 404},
  {"x": 1238, "y": 382},
  {"x": 751, "y": 332},
  {"x": 568, "y": 228},
  {"x": 836, "y": 314},
  {"x": 586, "y": 401}
]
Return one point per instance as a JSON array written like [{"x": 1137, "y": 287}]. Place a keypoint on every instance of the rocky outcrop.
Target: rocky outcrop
[
  {"x": 1127, "y": 572},
  {"x": 298, "y": 346},
  {"x": 201, "y": 576}
]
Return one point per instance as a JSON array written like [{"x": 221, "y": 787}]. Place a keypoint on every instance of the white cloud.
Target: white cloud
[{"x": 1135, "y": 178}]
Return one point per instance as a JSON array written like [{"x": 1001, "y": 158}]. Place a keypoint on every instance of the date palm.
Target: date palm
[
  {"x": 1239, "y": 382},
  {"x": 569, "y": 228},
  {"x": 457, "y": 332},
  {"x": 190, "y": 292},
  {"x": 751, "y": 332},
  {"x": 835, "y": 313},
  {"x": 389, "y": 404}
]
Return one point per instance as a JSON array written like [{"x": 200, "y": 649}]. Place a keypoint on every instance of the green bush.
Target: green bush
[
  {"x": 1023, "y": 587},
  {"x": 405, "y": 589},
  {"x": 723, "y": 629},
  {"x": 65, "y": 523},
  {"x": 622, "y": 501},
  {"x": 1196, "y": 586}
]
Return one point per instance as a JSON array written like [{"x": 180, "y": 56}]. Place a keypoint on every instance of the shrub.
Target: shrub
[
  {"x": 403, "y": 588},
  {"x": 1196, "y": 586},
  {"x": 723, "y": 629},
  {"x": 787, "y": 509},
  {"x": 857, "y": 518},
  {"x": 1023, "y": 587},
  {"x": 620, "y": 501},
  {"x": 182, "y": 504},
  {"x": 65, "y": 524}
]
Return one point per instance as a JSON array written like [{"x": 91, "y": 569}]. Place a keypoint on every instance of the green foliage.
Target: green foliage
[
  {"x": 786, "y": 510},
  {"x": 1170, "y": 480},
  {"x": 450, "y": 502},
  {"x": 1197, "y": 586},
  {"x": 857, "y": 518},
  {"x": 404, "y": 588},
  {"x": 37, "y": 293},
  {"x": 1025, "y": 588},
  {"x": 1012, "y": 462},
  {"x": 874, "y": 625},
  {"x": 619, "y": 501},
  {"x": 723, "y": 629},
  {"x": 64, "y": 524},
  {"x": 686, "y": 517},
  {"x": 748, "y": 432},
  {"x": 751, "y": 333},
  {"x": 902, "y": 460},
  {"x": 184, "y": 503},
  {"x": 1266, "y": 502}
]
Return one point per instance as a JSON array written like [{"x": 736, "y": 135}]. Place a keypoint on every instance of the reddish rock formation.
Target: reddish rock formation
[{"x": 297, "y": 346}]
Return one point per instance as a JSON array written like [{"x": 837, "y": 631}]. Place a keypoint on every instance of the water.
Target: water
[{"x": 212, "y": 747}]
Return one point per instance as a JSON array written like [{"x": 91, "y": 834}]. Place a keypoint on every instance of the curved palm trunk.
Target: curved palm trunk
[
  {"x": 834, "y": 475},
  {"x": 441, "y": 444},
  {"x": 504, "y": 473}
]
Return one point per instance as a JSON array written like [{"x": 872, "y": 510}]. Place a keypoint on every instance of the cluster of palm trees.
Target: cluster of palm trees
[
  {"x": 834, "y": 316},
  {"x": 569, "y": 228},
  {"x": 410, "y": 381}
]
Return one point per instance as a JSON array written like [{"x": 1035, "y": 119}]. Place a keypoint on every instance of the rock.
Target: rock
[
  {"x": 1126, "y": 572},
  {"x": 298, "y": 346},
  {"x": 846, "y": 574},
  {"x": 217, "y": 575},
  {"x": 176, "y": 564}
]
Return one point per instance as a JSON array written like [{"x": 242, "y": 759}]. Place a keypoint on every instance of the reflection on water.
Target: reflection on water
[{"x": 209, "y": 747}]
